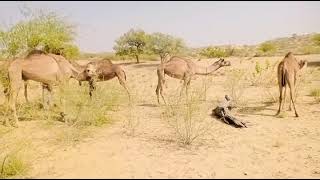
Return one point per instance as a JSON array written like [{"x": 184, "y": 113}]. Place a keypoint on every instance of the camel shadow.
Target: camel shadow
[
  {"x": 127, "y": 63},
  {"x": 256, "y": 110},
  {"x": 314, "y": 64},
  {"x": 145, "y": 65}
]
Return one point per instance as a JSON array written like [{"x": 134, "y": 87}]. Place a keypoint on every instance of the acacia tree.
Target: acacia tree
[
  {"x": 164, "y": 45},
  {"x": 41, "y": 29},
  {"x": 132, "y": 43}
]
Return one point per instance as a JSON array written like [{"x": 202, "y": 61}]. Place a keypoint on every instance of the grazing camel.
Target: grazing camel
[
  {"x": 183, "y": 69},
  {"x": 67, "y": 70},
  {"x": 287, "y": 75},
  {"x": 105, "y": 70},
  {"x": 48, "y": 69}
]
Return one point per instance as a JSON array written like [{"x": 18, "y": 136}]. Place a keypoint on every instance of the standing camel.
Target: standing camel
[
  {"x": 183, "y": 69},
  {"x": 48, "y": 69},
  {"x": 105, "y": 70},
  {"x": 67, "y": 70},
  {"x": 287, "y": 76}
]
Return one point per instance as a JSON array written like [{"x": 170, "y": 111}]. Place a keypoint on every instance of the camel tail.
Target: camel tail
[{"x": 283, "y": 78}]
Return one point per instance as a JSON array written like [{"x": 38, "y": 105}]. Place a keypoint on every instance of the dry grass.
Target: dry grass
[
  {"x": 187, "y": 114},
  {"x": 235, "y": 86},
  {"x": 316, "y": 94}
]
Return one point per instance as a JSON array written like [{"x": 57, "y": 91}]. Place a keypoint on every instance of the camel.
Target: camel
[
  {"x": 48, "y": 69},
  {"x": 287, "y": 74},
  {"x": 105, "y": 70},
  {"x": 183, "y": 69}
]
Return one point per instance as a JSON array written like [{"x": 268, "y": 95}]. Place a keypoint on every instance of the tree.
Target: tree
[
  {"x": 267, "y": 47},
  {"x": 131, "y": 43},
  {"x": 41, "y": 29},
  {"x": 164, "y": 45},
  {"x": 214, "y": 52}
]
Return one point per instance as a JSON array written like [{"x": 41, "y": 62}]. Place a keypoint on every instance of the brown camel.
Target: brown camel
[
  {"x": 184, "y": 69},
  {"x": 287, "y": 75},
  {"x": 48, "y": 69},
  {"x": 105, "y": 70}
]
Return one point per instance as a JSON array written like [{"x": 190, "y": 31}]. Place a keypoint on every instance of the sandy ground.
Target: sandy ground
[{"x": 270, "y": 147}]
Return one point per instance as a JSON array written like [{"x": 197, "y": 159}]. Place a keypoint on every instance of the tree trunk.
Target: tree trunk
[
  {"x": 222, "y": 111},
  {"x": 137, "y": 58}
]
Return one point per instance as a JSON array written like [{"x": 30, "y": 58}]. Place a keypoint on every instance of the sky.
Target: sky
[{"x": 199, "y": 23}]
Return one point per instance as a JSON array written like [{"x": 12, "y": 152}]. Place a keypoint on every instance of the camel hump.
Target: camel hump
[
  {"x": 106, "y": 60},
  {"x": 35, "y": 52},
  {"x": 288, "y": 55}
]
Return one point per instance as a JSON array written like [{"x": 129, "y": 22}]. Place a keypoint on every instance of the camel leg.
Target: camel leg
[
  {"x": 284, "y": 97},
  {"x": 50, "y": 90},
  {"x": 46, "y": 101},
  {"x": 123, "y": 84},
  {"x": 15, "y": 77},
  {"x": 91, "y": 87},
  {"x": 161, "y": 93},
  {"x": 186, "y": 84},
  {"x": 290, "y": 106},
  {"x": 158, "y": 93},
  {"x": 12, "y": 103},
  {"x": 291, "y": 86},
  {"x": 161, "y": 83},
  {"x": 26, "y": 91},
  {"x": 281, "y": 88}
]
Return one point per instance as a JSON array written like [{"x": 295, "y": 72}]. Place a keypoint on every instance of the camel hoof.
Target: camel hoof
[{"x": 297, "y": 115}]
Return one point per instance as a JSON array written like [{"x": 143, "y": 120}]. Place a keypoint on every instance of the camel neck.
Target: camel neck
[{"x": 206, "y": 70}]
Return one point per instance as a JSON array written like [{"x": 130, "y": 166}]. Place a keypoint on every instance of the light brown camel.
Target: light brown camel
[
  {"x": 105, "y": 70},
  {"x": 183, "y": 69},
  {"x": 287, "y": 75},
  {"x": 48, "y": 69},
  {"x": 66, "y": 67}
]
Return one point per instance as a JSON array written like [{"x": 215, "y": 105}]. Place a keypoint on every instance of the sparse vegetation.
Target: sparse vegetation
[
  {"x": 13, "y": 165},
  {"x": 186, "y": 115},
  {"x": 264, "y": 77},
  {"x": 214, "y": 52},
  {"x": 235, "y": 86},
  {"x": 267, "y": 48},
  {"x": 316, "y": 39},
  {"x": 316, "y": 94}
]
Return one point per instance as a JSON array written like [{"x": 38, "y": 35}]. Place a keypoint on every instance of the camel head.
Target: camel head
[
  {"x": 221, "y": 62},
  {"x": 302, "y": 63},
  {"x": 90, "y": 70}
]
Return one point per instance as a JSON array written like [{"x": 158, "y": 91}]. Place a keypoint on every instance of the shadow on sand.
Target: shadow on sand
[{"x": 256, "y": 110}]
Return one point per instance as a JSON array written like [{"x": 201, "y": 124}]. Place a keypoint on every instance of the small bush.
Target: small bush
[
  {"x": 235, "y": 85},
  {"x": 316, "y": 94},
  {"x": 267, "y": 49},
  {"x": 80, "y": 110},
  {"x": 13, "y": 165},
  {"x": 186, "y": 116}
]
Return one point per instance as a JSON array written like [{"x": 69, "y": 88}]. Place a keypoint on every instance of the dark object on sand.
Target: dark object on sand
[{"x": 223, "y": 112}]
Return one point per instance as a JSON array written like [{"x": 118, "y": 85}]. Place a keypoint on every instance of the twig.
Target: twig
[{"x": 2, "y": 167}]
